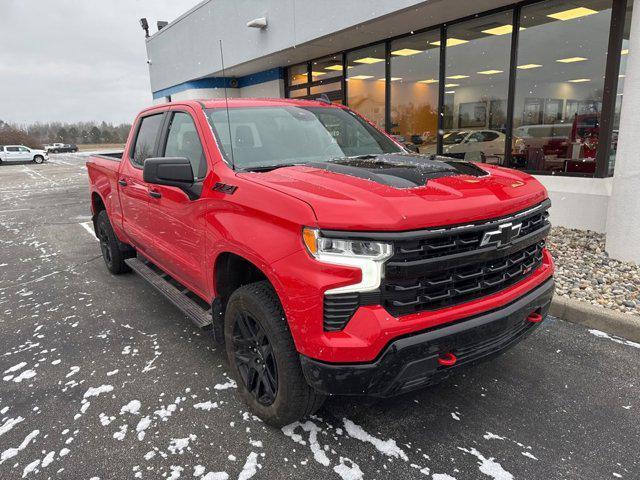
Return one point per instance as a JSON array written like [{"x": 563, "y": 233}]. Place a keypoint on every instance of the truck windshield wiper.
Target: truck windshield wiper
[{"x": 268, "y": 168}]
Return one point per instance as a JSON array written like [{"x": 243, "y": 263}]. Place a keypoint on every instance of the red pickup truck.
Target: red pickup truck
[{"x": 324, "y": 256}]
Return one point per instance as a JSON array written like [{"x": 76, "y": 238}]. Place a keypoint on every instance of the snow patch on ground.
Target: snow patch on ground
[
  {"x": 16, "y": 367},
  {"x": 387, "y": 447},
  {"x": 313, "y": 429},
  {"x": 615, "y": 339},
  {"x": 489, "y": 466},
  {"x": 225, "y": 386},
  {"x": 143, "y": 424},
  {"x": 133, "y": 407},
  {"x": 27, "y": 374},
  {"x": 178, "y": 445},
  {"x": 9, "y": 424},
  {"x": 347, "y": 472},
  {"x": 209, "y": 405},
  {"x": 12, "y": 452},
  {"x": 250, "y": 467},
  {"x": 95, "y": 391}
]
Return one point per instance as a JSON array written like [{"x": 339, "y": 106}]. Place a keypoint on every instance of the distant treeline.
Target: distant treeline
[{"x": 38, "y": 134}]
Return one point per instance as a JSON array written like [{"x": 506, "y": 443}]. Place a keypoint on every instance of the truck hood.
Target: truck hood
[{"x": 397, "y": 192}]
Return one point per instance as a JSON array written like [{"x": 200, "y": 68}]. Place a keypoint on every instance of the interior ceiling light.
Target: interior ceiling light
[
  {"x": 457, "y": 77},
  {"x": 572, "y": 60},
  {"x": 393, "y": 79},
  {"x": 579, "y": 80},
  {"x": 451, "y": 85},
  {"x": 490, "y": 72},
  {"x": 529, "y": 66},
  {"x": 369, "y": 60},
  {"x": 431, "y": 80},
  {"x": 624, "y": 51},
  {"x": 360, "y": 77},
  {"x": 337, "y": 68},
  {"x": 450, "y": 91},
  {"x": 405, "y": 52},
  {"x": 317, "y": 74},
  {"x": 501, "y": 30},
  {"x": 572, "y": 13},
  {"x": 452, "y": 42}
]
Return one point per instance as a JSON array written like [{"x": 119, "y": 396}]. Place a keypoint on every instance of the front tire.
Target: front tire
[
  {"x": 263, "y": 358},
  {"x": 111, "y": 252},
  {"x": 38, "y": 159}
]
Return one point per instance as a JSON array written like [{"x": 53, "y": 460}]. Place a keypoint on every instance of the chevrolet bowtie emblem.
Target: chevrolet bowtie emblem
[{"x": 502, "y": 236}]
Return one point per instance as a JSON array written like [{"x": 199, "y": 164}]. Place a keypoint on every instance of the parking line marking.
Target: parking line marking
[{"x": 88, "y": 226}]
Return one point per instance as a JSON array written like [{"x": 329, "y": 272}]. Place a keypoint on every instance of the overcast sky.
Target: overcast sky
[{"x": 72, "y": 60}]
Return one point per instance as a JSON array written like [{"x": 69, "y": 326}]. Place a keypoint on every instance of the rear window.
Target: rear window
[{"x": 146, "y": 139}]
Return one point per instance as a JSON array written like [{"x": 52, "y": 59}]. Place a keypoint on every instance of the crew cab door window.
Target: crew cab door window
[
  {"x": 146, "y": 138},
  {"x": 183, "y": 141}
]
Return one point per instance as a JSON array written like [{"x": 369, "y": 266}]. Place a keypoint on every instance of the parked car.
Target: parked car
[
  {"x": 62, "y": 148},
  {"x": 461, "y": 143},
  {"x": 324, "y": 256},
  {"x": 20, "y": 153}
]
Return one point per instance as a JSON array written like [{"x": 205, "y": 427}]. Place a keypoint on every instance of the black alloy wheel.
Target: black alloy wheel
[
  {"x": 105, "y": 245},
  {"x": 254, "y": 358}
]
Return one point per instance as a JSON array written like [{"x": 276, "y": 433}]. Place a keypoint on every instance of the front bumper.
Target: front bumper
[{"x": 411, "y": 362}]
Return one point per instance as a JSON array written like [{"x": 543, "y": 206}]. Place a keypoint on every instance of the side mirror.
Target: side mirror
[{"x": 170, "y": 171}]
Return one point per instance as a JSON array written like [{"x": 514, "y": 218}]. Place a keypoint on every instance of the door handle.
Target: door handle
[
  {"x": 122, "y": 183},
  {"x": 154, "y": 194}
]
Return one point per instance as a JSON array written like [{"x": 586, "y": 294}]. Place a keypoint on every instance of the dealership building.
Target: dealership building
[{"x": 550, "y": 87}]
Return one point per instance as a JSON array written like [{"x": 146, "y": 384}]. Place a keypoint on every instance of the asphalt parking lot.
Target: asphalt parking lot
[{"x": 103, "y": 378}]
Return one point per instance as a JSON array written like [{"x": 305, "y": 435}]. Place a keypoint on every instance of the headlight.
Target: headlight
[{"x": 367, "y": 255}]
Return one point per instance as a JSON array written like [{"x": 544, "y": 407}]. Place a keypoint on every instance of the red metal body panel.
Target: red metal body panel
[{"x": 262, "y": 222}]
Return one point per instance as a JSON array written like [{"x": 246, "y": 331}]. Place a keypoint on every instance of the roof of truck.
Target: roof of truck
[{"x": 247, "y": 102}]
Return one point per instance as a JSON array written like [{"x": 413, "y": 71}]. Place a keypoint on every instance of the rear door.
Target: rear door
[
  {"x": 178, "y": 219},
  {"x": 134, "y": 191}
]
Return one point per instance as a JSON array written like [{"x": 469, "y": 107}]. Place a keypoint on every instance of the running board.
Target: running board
[{"x": 198, "y": 315}]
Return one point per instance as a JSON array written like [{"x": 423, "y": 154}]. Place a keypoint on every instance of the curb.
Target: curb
[{"x": 621, "y": 324}]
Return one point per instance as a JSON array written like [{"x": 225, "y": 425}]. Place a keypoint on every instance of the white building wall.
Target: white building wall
[
  {"x": 623, "y": 229},
  {"x": 578, "y": 202},
  {"x": 271, "y": 89}
]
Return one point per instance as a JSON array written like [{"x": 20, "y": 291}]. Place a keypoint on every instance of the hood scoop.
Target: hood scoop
[{"x": 400, "y": 170}]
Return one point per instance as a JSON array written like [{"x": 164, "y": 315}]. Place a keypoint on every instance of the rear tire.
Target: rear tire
[
  {"x": 111, "y": 252},
  {"x": 261, "y": 352},
  {"x": 38, "y": 159}
]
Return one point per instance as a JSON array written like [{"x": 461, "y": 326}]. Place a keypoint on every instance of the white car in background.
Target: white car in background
[
  {"x": 459, "y": 143},
  {"x": 20, "y": 153}
]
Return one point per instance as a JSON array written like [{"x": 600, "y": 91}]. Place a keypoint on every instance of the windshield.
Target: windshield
[
  {"x": 272, "y": 136},
  {"x": 454, "y": 137}
]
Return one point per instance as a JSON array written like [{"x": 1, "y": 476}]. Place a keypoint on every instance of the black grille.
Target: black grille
[
  {"x": 338, "y": 309},
  {"x": 445, "y": 267}
]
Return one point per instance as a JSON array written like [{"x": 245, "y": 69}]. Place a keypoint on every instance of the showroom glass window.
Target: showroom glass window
[
  {"x": 623, "y": 70},
  {"x": 477, "y": 79},
  {"x": 298, "y": 77},
  {"x": 366, "y": 83},
  {"x": 326, "y": 78},
  {"x": 415, "y": 66},
  {"x": 562, "y": 53}
]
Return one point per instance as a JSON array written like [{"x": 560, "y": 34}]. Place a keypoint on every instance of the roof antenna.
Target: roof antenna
[{"x": 226, "y": 102}]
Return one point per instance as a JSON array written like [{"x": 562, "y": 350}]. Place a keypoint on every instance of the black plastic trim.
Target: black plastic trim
[{"x": 411, "y": 362}]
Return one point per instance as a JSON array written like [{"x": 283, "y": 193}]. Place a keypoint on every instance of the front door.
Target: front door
[
  {"x": 12, "y": 153},
  {"x": 178, "y": 220},
  {"x": 134, "y": 191}
]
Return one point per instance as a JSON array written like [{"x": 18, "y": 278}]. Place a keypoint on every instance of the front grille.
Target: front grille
[{"x": 444, "y": 267}]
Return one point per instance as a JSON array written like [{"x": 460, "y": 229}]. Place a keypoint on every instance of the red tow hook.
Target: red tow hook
[
  {"x": 447, "y": 359},
  {"x": 534, "y": 317}
]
